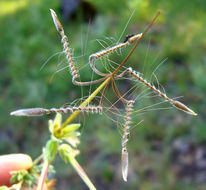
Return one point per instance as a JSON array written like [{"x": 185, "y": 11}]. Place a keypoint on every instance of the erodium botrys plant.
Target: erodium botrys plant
[{"x": 64, "y": 135}]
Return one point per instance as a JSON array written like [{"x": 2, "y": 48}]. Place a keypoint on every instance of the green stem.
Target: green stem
[{"x": 85, "y": 103}]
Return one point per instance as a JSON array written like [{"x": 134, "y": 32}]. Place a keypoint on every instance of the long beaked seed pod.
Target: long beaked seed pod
[
  {"x": 182, "y": 107},
  {"x": 107, "y": 51},
  {"x": 65, "y": 45},
  {"x": 56, "y": 21},
  {"x": 67, "y": 51},
  {"x": 29, "y": 112},
  {"x": 125, "y": 139},
  {"x": 119, "y": 46},
  {"x": 175, "y": 103},
  {"x": 42, "y": 111}
]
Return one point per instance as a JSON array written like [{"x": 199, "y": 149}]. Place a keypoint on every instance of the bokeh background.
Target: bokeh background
[{"x": 168, "y": 149}]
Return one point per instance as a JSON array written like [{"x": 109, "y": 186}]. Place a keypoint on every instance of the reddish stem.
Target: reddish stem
[
  {"x": 43, "y": 176},
  {"x": 137, "y": 43}
]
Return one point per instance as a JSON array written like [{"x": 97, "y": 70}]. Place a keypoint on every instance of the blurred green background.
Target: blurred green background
[{"x": 168, "y": 149}]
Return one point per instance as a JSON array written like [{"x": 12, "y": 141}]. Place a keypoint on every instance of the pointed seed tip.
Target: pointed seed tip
[
  {"x": 191, "y": 112},
  {"x": 195, "y": 114},
  {"x": 51, "y": 10},
  {"x": 16, "y": 113},
  {"x": 125, "y": 178}
]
